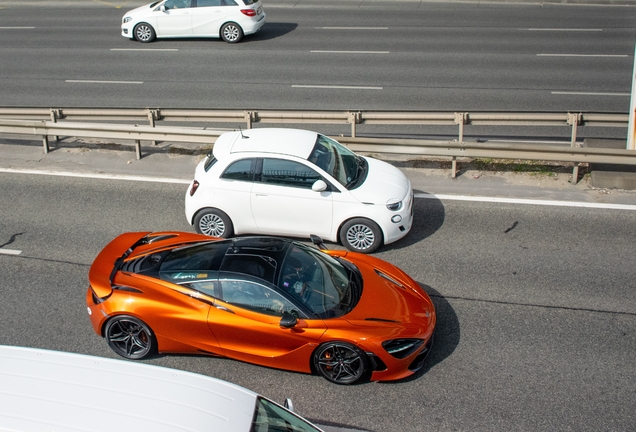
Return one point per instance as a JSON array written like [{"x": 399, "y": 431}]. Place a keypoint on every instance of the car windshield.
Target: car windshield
[
  {"x": 322, "y": 284},
  {"x": 337, "y": 160},
  {"x": 269, "y": 417}
]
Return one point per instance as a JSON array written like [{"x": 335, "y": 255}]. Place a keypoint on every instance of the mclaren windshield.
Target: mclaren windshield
[{"x": 324, "y": 285}]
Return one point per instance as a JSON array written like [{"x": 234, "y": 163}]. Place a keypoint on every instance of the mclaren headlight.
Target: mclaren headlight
[{"x": 402, "y": 348}]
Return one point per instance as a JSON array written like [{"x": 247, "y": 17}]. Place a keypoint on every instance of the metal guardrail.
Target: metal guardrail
[
  {"x": 355, "y": 118},
  {"x": 453, "y": 149}
]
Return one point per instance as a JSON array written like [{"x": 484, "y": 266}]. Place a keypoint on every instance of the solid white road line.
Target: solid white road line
[
  {"x": 526, "y": 201},
  {"x": 441, "y": 197},
  {"x": 10, "y": 252},
  {"x": 350, "y": 52},
  {"x": 589, "y": 93},
  {"x": 96, "y": 176},
  {"x": 16, "y": 28},
  {"x": 562, "y": 29},
  {"x": 336, "y": 87},
  {"x": 582, "y": 55},
  {"x": 103, "y": 82}
]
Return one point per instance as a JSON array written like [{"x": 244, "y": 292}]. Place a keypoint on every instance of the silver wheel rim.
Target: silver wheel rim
[
  {"x": 360, "y": 236},
  {"x": 212, "y": 225},
  {"x": 230, "y": 33},
  {"x": 143, "y": 33}
]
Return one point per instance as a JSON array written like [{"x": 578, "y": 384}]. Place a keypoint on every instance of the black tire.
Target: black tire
[
  {"x": 361, "y": 235},
  {"x": 130, "y": 337},
  {"x": 231, "y": 32},
  {"x": 340, "y": 362},
  {"x": 144, "y": 33},
  {"x": 213, "y": 222}
]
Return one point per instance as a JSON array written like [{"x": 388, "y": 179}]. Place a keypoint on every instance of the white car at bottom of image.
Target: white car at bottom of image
[
  {"x": 228, "y": 19},
  {"x": 295, "y": 183}
]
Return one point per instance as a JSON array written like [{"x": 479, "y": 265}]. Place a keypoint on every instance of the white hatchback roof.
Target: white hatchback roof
[
  {"x": 293, "y": 142},
  {"x": 42, "y": 390}
]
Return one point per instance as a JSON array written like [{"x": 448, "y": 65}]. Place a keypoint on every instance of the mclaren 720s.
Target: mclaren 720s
[{"x": 268, "y": 301}]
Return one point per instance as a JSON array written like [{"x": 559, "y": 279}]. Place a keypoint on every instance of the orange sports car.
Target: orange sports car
[{"x": 263, "y": 300}]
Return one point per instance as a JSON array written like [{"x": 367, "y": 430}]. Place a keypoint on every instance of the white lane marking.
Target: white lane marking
[
  {"x": 589, "y": 93},
  {"x": 10, "y": 252},
  {"x": 417, "y": 195},
  {"x": 96, "y": 176},
  {"x": 562, "y": 29},
  {"x": 144, "y": 49},
  {"x": 526, "y": 201},
  {"x": 582, "y": 55},
  {"x": 336, "y": 87},
  {"x": 16, "y": 28},
  {"x": 103, "y": 82},
  {"x": 349, "y": 52},
  {"x": 353, "y": 28}
]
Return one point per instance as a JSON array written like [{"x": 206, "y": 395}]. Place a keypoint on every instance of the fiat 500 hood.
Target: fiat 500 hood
[{"x": 384, "y": 183}]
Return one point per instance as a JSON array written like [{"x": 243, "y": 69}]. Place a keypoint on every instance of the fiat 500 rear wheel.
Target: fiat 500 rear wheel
[
  {"x": 213, "y": 222},
  {"x": 361, "y": 235},
  {"x": 340, "y": 362},
  {"x": 130, "y": 337}
]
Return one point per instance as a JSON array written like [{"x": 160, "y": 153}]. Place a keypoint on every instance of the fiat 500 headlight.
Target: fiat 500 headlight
[
  {"x": 394, "y": 206},
  {"x": 127, "y": 19}
]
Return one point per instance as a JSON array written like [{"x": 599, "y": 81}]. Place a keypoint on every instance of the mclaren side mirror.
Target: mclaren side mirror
[
  {"x": 288, "y": 320},
  {"x": 317, "y": 241},
  {"x": 319, "y": 186}
]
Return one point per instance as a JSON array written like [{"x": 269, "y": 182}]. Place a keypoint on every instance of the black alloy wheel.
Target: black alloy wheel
[
  {"x": 130, "y": 337},
  {"x": 340, "y": 362}
]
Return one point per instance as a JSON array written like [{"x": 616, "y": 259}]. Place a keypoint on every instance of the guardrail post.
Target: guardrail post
[
  {"x": 454, "y": 167},
  {"x": 574, "y": 120},
  {"x": 354, "y": 118},
  {"x": 461, "y": 119},
  {"x": 45, "y": 143},
  {"x": 250, "y": 116},
  {"x": 56, "y": 114},
  {"x": 152, "y": 116},
  {"x": 575, "y": 173},
  {"x": 138, "y": 149}
]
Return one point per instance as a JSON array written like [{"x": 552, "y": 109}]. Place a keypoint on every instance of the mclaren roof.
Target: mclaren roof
[{"x": 293, "y": 142}]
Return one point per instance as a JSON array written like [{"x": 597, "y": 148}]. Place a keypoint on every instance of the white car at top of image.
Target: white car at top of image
[
  {"x": 295, "y": 183},
  {"x": 228, "y": 19}
]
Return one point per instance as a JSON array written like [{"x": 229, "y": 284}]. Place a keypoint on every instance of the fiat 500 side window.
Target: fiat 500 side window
[
  {"x": 288, "y": 173},
  {"x": 242, "y": 170}
]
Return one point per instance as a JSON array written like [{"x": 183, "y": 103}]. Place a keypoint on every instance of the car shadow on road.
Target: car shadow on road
[
  {"x": 428, "y": 217},
  {"x": 447, "y": 334},
  {"x": 272, "y": 30}
]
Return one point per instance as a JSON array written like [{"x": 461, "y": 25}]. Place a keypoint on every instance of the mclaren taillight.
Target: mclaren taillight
[
  {"x": 249, "y": 12},
  {"x": 195, "y": 186}
]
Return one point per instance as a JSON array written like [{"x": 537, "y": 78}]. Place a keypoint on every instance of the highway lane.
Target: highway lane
[
  {"x": 433, "y": 57},
  {"x": 537, "y": 318}
]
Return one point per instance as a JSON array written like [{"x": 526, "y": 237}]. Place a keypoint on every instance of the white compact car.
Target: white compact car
[
  {"x": 227, "y": 19},
  {"x": 296, "y": 183},
  {"x": 43, "y": 390}
]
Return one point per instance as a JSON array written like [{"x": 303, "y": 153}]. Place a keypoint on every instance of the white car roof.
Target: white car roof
[
  {"x": 42, "y": 390},
  {"x": 293, "y": 142}
]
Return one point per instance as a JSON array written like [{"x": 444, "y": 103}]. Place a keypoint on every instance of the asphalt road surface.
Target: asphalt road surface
[{"x": 537, "y": 318}]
